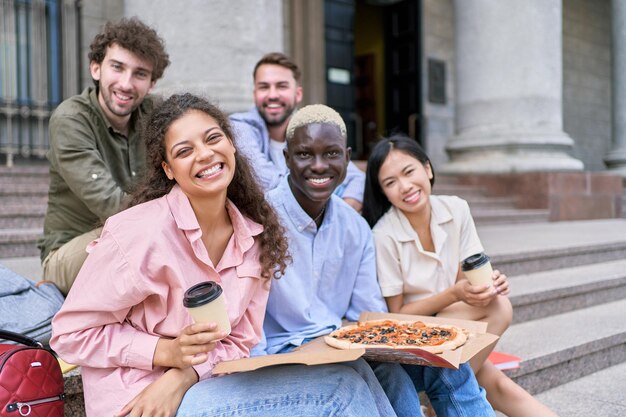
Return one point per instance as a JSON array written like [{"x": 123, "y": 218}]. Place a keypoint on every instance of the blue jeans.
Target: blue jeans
[
  {"x": 389, "y": 383},
  {"x": 289, "y": 390},
  {"x": 451, "y": 392}
]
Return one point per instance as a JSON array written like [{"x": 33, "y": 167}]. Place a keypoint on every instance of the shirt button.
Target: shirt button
[{"x": 94, "y": 176}]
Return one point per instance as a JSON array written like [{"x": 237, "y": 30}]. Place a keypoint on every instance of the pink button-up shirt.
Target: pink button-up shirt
[{"x": 129, "y": 294}]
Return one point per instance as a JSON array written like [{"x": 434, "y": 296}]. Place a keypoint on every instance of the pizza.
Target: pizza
[{"x": 398, "y": 335}]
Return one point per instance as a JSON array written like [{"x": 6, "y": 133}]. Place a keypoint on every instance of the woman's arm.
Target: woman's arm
[
  {"x": 90, "y": 329},
  {"x": 163, "y": 396},
  {"x": 462, "y": 290}
]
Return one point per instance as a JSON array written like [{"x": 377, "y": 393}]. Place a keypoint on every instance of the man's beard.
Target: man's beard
[{"x": 272, "y": 122}]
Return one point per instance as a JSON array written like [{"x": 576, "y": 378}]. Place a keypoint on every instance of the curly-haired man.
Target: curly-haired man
[{"x": 96, "y": 153}]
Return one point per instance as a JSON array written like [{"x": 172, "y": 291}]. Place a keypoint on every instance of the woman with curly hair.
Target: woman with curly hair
[{"x": 199, "y": 215}]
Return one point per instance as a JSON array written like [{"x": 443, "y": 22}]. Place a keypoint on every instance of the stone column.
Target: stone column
[
  {"x": 616, "y": 158},
  {"x": 509, "y": 88}
]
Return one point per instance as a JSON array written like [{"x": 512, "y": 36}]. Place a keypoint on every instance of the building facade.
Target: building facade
[{"x": 487, "y": 86}]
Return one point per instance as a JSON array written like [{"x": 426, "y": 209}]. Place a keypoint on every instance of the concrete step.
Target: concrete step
[
  {"x": 463, "y": 191},
  {"x": 564, "y": 347},
  {"x": 21, "y": 222},
  {"x": 509, "y": 216},
  {"x": 37, "y": 169},
  {"x": 15, "y": 243},
  {"x": 518, "y": 249},
  {"x": 23, "y": 216},
  {"x": 480, "y": 202},
  {"x": 29, "y": 266},
  {"x": 553, "y": 292},
  {"x": 23, "y": 180},
  {"x": 16, "y": 189},
  {"x": 597, "y": 394},
  {"x": 40, "y": 200}
]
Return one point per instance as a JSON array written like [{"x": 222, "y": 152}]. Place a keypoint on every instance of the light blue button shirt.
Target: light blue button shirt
[{"x": 333, "y": 274}]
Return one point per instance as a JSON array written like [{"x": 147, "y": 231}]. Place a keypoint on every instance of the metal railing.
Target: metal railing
[{"x": 39, "y": 61}]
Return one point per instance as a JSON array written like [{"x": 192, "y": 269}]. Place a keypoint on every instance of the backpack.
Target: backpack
[{"x": 25, "y": 308}]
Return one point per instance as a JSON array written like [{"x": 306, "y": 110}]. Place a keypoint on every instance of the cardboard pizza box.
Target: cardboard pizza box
[{"x": 317, "y": 352}]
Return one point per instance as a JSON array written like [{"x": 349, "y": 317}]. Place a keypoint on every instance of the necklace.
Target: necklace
[{"x": 319, "y": 215}]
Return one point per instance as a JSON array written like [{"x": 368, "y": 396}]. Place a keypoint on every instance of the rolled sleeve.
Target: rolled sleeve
[
  {"x": 469, "y": 241},
  {"x": 388, "y": 265}
]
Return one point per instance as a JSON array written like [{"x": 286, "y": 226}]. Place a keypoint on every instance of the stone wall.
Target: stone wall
[
  {"x": 94, "y": 14},
  {"x": 438, "y": 43},
  {"x": 587, "y": 79}
]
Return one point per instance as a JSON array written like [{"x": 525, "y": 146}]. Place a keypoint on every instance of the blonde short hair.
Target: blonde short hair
[{"x": 315, "y": 113}]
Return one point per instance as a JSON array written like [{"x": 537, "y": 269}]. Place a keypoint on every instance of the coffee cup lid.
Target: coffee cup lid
[
  {"x": 201, "y": 294},
  {"x": 474, "y": 261}
]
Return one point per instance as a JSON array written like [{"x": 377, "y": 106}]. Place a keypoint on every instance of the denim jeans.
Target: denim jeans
[
  {"x": 451, "y": 392},
  {"x": 389, "y": 383},
  {"x": 289, "y": 390}
]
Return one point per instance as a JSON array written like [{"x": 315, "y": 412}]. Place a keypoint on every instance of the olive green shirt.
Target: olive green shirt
[{"x": 92, "y": 167}]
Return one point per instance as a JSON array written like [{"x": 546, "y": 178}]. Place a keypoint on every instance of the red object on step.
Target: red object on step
[{"x": 504, "y": 361}]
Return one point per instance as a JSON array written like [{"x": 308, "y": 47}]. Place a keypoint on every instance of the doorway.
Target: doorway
[{"x": 373, "y": 68}]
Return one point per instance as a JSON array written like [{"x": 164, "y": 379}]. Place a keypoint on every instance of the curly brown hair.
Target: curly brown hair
[
  {"x": 134, "y": 35},
  {"x": 243, "y": 190},
  {"x": 280, "y": 59}
]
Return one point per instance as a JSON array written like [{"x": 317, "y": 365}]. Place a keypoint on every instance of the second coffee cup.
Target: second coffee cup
[
  {"x": 205, "y": 303},
  {"x": 477, "y": 268}
]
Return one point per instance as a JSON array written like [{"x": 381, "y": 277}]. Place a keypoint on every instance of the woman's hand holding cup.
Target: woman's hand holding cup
[
  {"x": 474, "y": 295},
  {"x": 190, "y": 348},
  {"x": 500, "y": 283}
]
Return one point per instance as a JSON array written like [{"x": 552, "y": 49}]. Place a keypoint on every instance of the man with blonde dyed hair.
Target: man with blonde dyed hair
[
  {"x": 333, "y": 274},
  {"x": 261, "y": 131}
]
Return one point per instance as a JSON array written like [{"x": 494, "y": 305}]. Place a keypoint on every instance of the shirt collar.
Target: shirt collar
[
  {"x": 244, "y": 229},
  {"x": 300, "y": 219},
  {"x": 402, "y": 227}
]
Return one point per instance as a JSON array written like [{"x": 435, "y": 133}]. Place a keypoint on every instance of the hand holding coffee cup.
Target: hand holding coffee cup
[
  {"x": 477, "y": 269},
  {"x": 205, "y": 303}
]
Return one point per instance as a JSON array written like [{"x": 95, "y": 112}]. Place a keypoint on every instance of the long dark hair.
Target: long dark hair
[
  {"x": 375, "y": 202},
  {"x": 243, "y": 190}
]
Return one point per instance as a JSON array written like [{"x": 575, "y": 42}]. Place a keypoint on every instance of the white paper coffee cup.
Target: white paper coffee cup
[
  {"x": 477, "y": 269},
  {"x": 205, "y": 303}
]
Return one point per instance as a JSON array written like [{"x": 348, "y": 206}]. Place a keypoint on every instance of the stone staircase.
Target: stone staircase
[
  {"x": 487, "y": 209},
  {"x": 568, "y": 289},
  {"x": 23, "y": 198}
]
